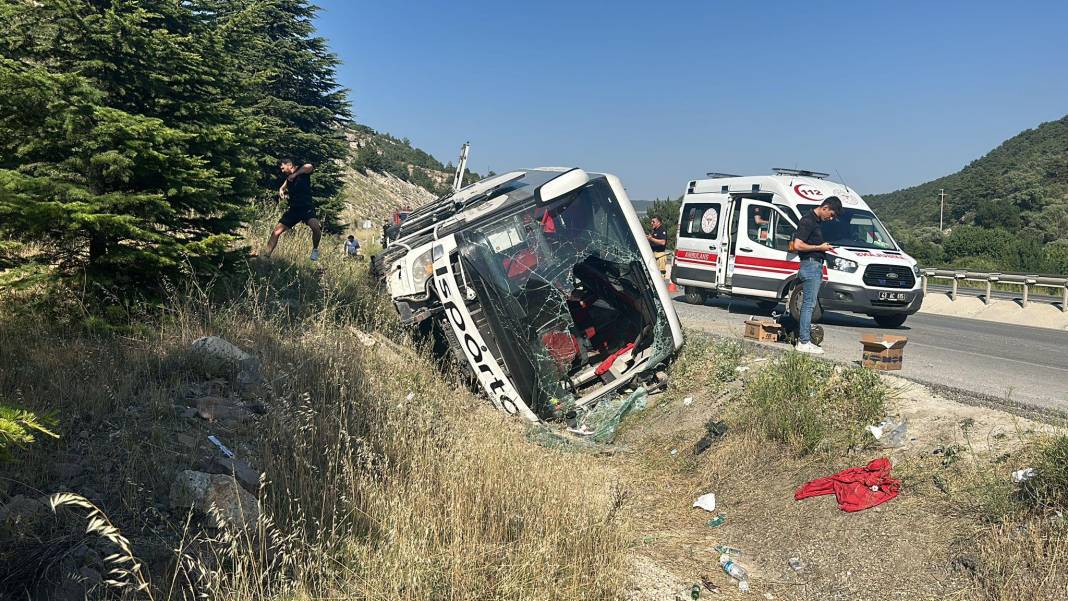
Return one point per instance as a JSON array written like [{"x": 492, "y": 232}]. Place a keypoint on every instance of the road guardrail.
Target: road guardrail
[{"x": 1025, "y": 281}]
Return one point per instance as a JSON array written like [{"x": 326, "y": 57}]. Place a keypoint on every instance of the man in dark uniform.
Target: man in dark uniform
[
  {"x": 297, "y": 186},
  {"x": 810, "y": 247},
  {"x": 658, "y": 242}
]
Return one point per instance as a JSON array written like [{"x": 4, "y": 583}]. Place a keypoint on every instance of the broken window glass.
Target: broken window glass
[{"x": 567, "y": 297}]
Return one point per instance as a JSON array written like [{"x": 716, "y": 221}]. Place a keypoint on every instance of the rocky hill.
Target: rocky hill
[
  {"x": 374, "y": 196},
  {"x": 384, "y": 174}
]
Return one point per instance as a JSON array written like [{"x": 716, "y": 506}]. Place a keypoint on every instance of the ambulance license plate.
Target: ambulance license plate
[{"x": 892, "y": 296}]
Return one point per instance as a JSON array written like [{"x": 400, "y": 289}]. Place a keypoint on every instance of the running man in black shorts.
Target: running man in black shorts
[{"x": 301, "y": 208}]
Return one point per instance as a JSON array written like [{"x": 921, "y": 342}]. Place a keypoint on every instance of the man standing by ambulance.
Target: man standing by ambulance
[
  {"x": 810, "y": 247},
  {"x": 658, "y": 242}
]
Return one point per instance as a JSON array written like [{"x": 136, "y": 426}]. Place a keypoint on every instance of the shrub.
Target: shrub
[
  {"x": 812, "y": 405},
  {"x": 368, "y": 159},
  {"x": 17, "y": 428},
  {"x": 967, "y": 241},
  {"x": 707, "y": 361},
  {"x": 1049, "y": 488}
]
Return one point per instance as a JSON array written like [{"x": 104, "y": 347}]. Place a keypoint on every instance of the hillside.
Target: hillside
[
  {"x": 384, "y": 173},
  {"x": 1021, "y": 186}
]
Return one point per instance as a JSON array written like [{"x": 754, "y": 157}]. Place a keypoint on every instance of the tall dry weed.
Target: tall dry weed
[{"x": 385, "y": 478}]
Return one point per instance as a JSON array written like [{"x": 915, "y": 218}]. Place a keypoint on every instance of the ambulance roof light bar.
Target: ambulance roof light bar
[
  {"x": 717, "y": 175},
  {"x": 800, "y": 172}
]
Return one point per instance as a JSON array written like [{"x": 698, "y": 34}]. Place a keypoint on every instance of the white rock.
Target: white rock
[
  {"x": 366, "y": 339},
  {"x": 234, "y": 506},
  {"x": 213, "y": 347},
  {"x": 215, "y": 352}
]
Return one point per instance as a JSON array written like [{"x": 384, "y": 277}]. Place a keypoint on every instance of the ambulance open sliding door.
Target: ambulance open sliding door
[{"x": 762, "y": 262}]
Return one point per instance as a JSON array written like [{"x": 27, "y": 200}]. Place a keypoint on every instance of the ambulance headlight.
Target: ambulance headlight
[
  {"x": 916, "y": 270},
  {"x": 843, "y": 265}
]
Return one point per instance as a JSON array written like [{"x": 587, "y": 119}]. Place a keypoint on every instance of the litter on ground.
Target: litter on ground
[
  {"x": 706, "y": 501},
  {"x": 225, "y": 451},
  {"x": 855, "y": 488},
  {"x": 1024, "y": 475}
]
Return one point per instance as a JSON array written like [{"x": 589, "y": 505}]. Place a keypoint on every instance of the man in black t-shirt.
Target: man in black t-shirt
[
  {"x": 297, "y": 186},
  {"x": 810, "y": 247},
  {"x": 658, "y": 242}
]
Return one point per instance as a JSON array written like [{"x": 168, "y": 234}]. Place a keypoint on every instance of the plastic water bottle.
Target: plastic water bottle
[{"x": 735, "y": 571}]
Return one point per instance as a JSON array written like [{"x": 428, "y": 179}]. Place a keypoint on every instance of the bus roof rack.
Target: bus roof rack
[
  {"x": 801, "y": 172},
  {"x": 717, "y": 174}
]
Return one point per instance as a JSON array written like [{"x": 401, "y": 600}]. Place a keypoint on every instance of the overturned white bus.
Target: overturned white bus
[{"x": 543, "y": 284}]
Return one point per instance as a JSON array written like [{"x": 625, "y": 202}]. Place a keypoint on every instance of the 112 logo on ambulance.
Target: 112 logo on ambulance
[{"x": 809, "y": 192}]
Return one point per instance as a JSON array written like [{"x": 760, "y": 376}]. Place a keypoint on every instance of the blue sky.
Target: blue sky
[{"x": 887, "y": 94}]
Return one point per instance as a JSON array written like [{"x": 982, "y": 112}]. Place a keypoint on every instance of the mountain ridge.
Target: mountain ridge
[{"x": 1021, "y": 185}]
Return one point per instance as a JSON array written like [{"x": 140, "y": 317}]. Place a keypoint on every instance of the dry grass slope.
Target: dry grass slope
[{"x": 385, "y": 479}]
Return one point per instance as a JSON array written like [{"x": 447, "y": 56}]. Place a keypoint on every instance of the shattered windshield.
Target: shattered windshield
[
  {"x": 855, "y": 228},
  {"x": 566, "y": 296}
]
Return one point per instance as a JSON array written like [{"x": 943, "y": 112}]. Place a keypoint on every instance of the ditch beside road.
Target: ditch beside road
[{"x": 995, "y": 361}]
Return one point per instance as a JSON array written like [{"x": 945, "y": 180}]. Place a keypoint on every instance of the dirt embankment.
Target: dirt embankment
[{"x": 919, "y": 545}]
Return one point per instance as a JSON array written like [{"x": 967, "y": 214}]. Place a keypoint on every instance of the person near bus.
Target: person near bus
[
  {"x": 352, "y": 246},
  {"x": 657, "y": 238},
  {"x": 811, "y": 249}
]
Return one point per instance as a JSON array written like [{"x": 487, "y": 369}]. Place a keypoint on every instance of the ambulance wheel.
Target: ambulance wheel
[
  {"x": 694, "y": 296},
  {"x": 793, "y": 305},
  {"x": 766, "y": 306},
  {"x": 890, "y": 321}
]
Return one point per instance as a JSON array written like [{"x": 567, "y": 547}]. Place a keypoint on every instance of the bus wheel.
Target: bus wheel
[{"x": 793, "y": 305}]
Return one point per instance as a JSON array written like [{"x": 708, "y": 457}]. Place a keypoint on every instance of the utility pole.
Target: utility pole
[{"x": 941, "y": 207}]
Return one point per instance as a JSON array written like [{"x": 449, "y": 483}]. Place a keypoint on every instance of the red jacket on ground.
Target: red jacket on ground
[{"x": 855, "y": 488}]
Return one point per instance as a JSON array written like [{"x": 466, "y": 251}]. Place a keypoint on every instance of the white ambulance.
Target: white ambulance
[{"x": 733, "y": 239}]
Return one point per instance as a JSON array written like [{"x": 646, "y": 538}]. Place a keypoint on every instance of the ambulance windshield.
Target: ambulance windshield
[{"x": 855, "y": 228}]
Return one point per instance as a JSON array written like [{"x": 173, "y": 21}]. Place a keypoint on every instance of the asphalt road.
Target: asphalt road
[{"x": 1018, "y": 364}]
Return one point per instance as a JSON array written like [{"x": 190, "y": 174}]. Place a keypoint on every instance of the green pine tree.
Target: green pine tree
[
  {"x": 124, "y": 155},
  {"x": 18, "y": 428},
  {"x": 287, "y": 77}
]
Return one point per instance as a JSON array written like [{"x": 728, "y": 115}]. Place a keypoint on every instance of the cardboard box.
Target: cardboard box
[
  {"x": 764, "y": 330},
  {"x": 883, "y": 351}
]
